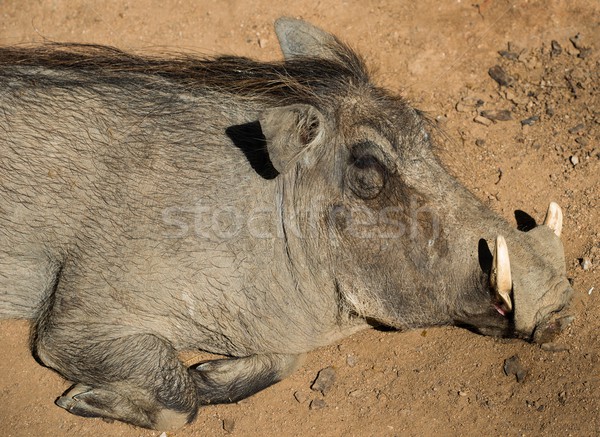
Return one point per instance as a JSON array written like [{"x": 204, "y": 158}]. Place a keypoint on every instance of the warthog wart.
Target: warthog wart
[{"x": 256, "y": 210}]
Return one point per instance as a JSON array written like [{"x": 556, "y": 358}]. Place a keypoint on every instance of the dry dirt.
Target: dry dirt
[{"x": 438, "y": 381}]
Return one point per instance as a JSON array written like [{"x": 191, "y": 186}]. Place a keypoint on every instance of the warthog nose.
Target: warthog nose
[{"x": 547, "y": 331}]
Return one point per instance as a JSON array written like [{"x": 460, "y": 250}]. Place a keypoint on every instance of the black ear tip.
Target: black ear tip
[
  {"x": 250, "y": 139},
  {"x": 485, "y": 256},
  {"x": 524, "y": 221}
]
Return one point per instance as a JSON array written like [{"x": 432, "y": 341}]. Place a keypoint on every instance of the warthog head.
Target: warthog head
[{"x": 408, "y": 246}]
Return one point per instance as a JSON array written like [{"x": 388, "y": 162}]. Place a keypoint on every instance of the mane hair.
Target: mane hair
[{"x": 299, "y": 79}]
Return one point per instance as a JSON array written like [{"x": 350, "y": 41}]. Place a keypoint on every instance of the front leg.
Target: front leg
[{"x": 230, "y": 380}]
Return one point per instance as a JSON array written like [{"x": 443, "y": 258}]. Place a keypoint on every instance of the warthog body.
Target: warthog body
[{"x": 254, "y": 210}]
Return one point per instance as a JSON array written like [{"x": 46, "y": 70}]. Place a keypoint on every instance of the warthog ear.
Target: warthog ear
[
  {"x": 298, "y": 38},
  {"x": 289, "y": 131}
]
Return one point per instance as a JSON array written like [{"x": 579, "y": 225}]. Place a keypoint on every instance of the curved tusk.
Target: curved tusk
[
  {"x": 500, "y": 279},
  {"x": 554, "y": 218}
]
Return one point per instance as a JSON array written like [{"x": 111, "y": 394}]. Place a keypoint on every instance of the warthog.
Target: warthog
[{"x": 254, "y": 210}]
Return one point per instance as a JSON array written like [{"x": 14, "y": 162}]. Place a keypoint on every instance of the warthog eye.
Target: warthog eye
[
  {"x": 365, "y": 162},
  {"x": 366, "y": 174}
]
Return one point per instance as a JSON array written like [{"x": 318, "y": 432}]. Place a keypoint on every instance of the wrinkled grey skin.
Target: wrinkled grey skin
[{"x": 140, "y": 216}]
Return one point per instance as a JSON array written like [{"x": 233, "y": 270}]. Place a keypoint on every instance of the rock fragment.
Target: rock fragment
[
  {"x": 300, "y": 397},
  {"x": 577, "y": 128},
  {"x": 228, "y": 425},
  {"x": 509, "y": 55},
  {"x": 317, "y": 404},
  {"x": 586, "y": 263},
  {"x": 513, "y": 366},
  {"x": 324, "y": 380},
  {"x": 351, "y": 360},
  {"x": 584, "y": 52},
  {"x": 576, "y": 41},
  {"x": 499, "y": 75},
  {"x": 530, "y": 121},
  {"x": 556, "y": 49},
  {"x": 554, "y": 347},
  {"x": 482, "y": 120},
  {"x": 497, "y": 115},
  {"x": 562, "y": 397}
]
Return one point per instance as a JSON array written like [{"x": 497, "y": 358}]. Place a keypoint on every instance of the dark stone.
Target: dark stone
[
  {"x": 513, "y": 366},
  {"x": 509, "y": 55},
  {"x": 499, "y": 75},
  {"x": 498, "y": 115},
  {"x": 324, "y": 380},
  {"x": 530, "y": 121},
  {"x": 556, "y": 48}
]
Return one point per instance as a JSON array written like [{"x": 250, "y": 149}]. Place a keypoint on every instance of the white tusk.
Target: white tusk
[
  {"x": 500, "y": 278},
  {"x": 554, "y": 218}
]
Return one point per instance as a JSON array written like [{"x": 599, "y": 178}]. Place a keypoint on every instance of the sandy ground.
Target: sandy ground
[{"x": 446, "y": 381}]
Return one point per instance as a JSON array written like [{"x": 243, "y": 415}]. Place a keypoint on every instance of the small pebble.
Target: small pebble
[
  {"x": 479, "y": 142},
  {"x": 517, "y": 99},
  {"x": 499, "y": 115},
  {"x": 300, "y": 397},
  {"x": 324, "y": 380},
  {"x": 586, "y": 263},
  {"x": 351, "y": 360},
  {"x": 577, "y": 128},
  {"x": 509, "y": 55},
  {"x": 482, "y": 120},
  {"x": 554, "y": 347},
  {"x": 513, "y": 366},
  {"x": 499, "y": 75},
  {"x": 574, "y": 160},
  {"x": 576, "y": 41},
  {"x": 462, "y": 107},
  {"x": 562, "y": 397},
  {"x": 556, "y": 48},
  {"x": 584, "y": 52},
  {"x": 530, "y": 121},
  {"x": 440, "y": 119},
  {"x": 317, "y": 404},
  {"x": 228, "y": 425}
]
